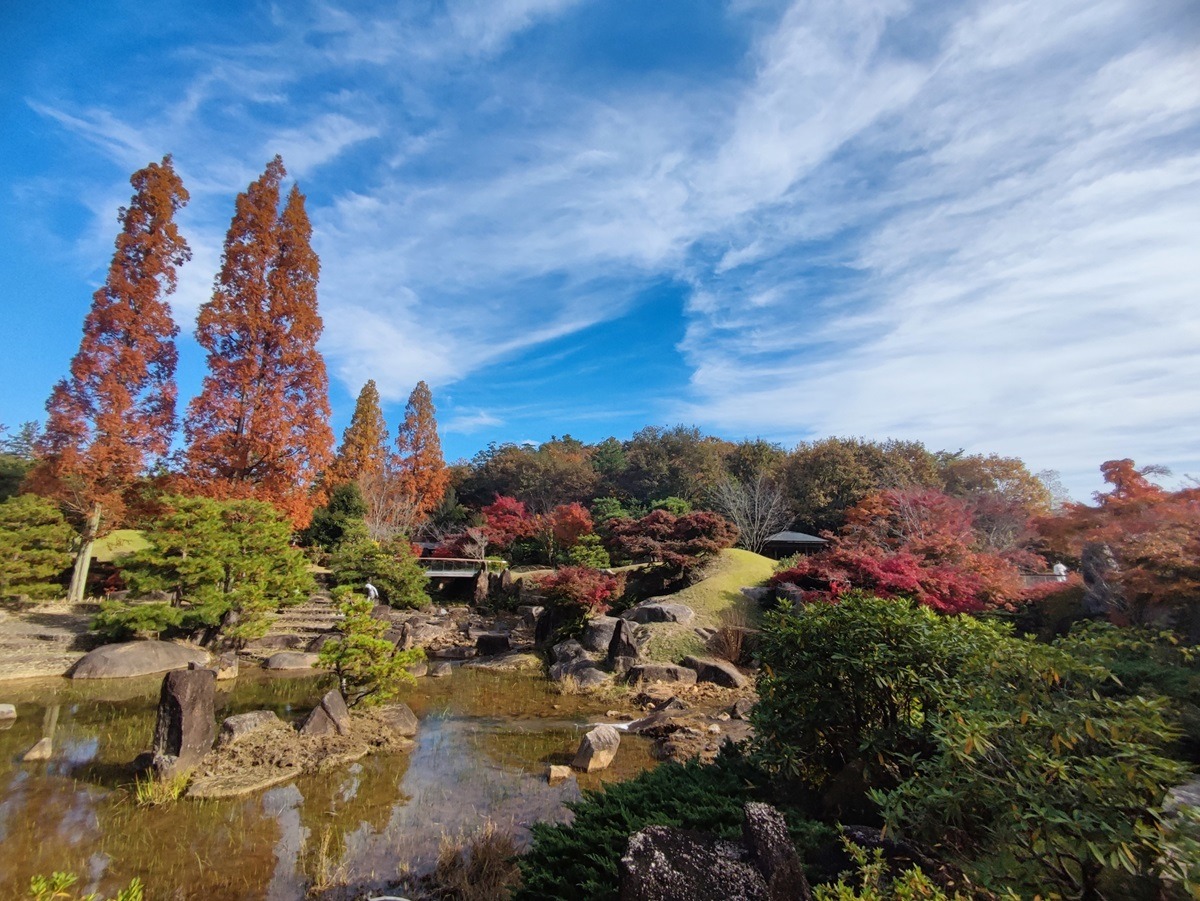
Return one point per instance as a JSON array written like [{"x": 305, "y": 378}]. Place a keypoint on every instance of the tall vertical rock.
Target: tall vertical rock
[{"x": 186, "y": 725}]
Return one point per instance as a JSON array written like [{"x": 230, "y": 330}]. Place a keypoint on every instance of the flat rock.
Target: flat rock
[
  {"x": 440, "y": 670},
  {"x": 136, "y": 658},
  {"x": 717, "y": 671},
  {"x": 589, "y": 677},
  {"x": 8, "y": 712},
  {"x": 741, "y": 708},
  {"x": 418, "y": 669},
  {"x": 400, "y": 718},
  {"x": 283, "y": 642},
  {"x": 512, "y": 662},
  {"x": 245, "y": 782},
  {"x": 330, "y": 715},
  {"x": 242, "y": 724},
  {"x": 660, "y": 613},
  {"x": 598, "y": 634},
  {"x": 456, "y": 652},
  {"x": 292, "y": 660},
  {"x": 661, "y": 672},
  {"x": 597, "y": 749}
]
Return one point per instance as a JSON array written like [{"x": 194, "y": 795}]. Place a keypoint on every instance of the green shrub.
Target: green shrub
[
  {"x": 392, "y": 569},
  {"x": 36, "y": 547},
  {"x": 369, "y": 668},
  {"x": 119, "y": 621},
  {"x": 230, "y": 564},
  {"x": 329, "y": 523},
  {"x": 852, "y": 688},
  {"x": 589, "y": 552},
  {"x": 580, "y": 860},
  {"x": 872, "y": 882}
]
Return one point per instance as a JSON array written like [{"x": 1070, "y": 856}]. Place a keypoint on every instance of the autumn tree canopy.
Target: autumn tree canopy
[
  {"x": 364, "y": 449},
  {"x": 260, "y": 426},
  {"x": 116, "y": 410},
  {"x": 420, "y": 467}
]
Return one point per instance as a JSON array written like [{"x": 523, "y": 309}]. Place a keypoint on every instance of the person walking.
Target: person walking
[{"x": 372, "y": 592}]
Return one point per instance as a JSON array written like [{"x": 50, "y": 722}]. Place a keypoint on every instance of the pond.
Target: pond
[{"x": 481, "y": 754}]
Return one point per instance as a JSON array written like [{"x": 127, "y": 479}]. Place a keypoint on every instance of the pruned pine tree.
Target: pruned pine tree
[{"x": 115, "y": 412}]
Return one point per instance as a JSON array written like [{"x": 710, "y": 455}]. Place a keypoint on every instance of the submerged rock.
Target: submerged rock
[
  {"x": 43, "y": 749},
  {"x": 512, "y": 662},
  {"x": 136, "y": 658}
]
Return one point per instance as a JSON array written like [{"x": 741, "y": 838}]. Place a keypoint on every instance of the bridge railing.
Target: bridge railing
[{"x": 459, "y": 566}]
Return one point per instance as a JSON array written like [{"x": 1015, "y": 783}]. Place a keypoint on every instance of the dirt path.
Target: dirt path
[{"x": 44, "y": 639}]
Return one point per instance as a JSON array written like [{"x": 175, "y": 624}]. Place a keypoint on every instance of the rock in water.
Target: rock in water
[
  {"x": 186, "y": 726},
  {"x": 599, "y": 633},
  {"x": 43, "y": 749},
  {"x": 401, "y": 718},
  {"x": 242, "y": 724},
  {"x": 331, "y": 715},
  {"x": 440, "y": 670},
  {"x": 136, "y": 658},
  {"x": 558, "y": 774},
  {"x": 8, "y": 712},
  {"x": 289, "y": 660},
  {"x": 597, "y": 749}
]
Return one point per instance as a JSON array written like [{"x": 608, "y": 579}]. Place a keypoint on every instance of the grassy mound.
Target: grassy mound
[
  {"x": 120, "y": 543},
  {"x": 717, "y": 599}
]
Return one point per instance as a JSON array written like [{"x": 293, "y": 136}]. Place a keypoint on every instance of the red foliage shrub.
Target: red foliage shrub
[
  {"x": 678, "y": 541},
  {"x": 506, "y": 520},
  {"x": 588, "y": 590}
]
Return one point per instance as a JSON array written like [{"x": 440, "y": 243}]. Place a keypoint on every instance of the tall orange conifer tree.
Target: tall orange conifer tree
[
  {"x": 420, "y": 467},
  {"x": 364, "y": 450},
  {"x": 116, "y": 411},
  {"x": 260, "y": 426}
]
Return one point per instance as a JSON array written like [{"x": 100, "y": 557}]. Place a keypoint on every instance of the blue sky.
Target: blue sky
[{"x": 973, "y": 223}]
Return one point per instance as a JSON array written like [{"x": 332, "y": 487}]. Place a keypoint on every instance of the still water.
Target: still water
[{"x": 481, "y": 753}]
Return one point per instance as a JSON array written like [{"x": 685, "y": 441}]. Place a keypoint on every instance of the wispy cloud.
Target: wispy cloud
[{"x": 972, "y": 223}]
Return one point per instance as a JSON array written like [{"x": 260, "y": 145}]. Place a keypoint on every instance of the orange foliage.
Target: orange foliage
[
  {"x": 364, "y": 449},
  {"x": 420, "y": 467},
  {"x": 116, "y": 411},
  {"x": 260, "y": 425}
]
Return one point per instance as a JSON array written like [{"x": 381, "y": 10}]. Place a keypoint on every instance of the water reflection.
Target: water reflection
[{"x": 482, "y": 752}]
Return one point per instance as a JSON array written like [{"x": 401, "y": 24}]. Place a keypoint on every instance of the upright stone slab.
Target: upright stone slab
[
  {"x": 624, "y": 641},
  {"x": 598, "y": 634},
  {"x": 186, "y": 724}
]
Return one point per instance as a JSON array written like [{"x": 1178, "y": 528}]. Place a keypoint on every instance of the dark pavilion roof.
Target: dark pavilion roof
[{"x": 795, "y": 538}]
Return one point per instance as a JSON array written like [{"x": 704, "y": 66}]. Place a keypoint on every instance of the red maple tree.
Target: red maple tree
[
  {"x": 116, "y": 411},
  {"x": 260, "y": 426}
]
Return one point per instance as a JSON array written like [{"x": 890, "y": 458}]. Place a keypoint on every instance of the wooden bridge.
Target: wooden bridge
[{"x": 453, "y": 567}]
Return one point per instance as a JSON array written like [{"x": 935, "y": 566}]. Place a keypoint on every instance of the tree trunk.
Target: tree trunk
[{"x": 83, "y": 558}]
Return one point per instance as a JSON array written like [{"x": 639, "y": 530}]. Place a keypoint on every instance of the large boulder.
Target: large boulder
[
  {"x": 665, "y": 864},
  {"x": 331, "y": 715},
  {"x": 136, "y": 658},
  {"x": 240, "y": 725},
  {"x": 491, "y": 643},
  {"x": 598, "y": 634},
  {"x": 660, "y": 613},
  {"x": 186, "y": 725},
  {"x": 661, "y": 672},
  {"x": 717, "y": 671},
  {"x": 292, "y": 660},
  {"x": 597, "y": 749}
]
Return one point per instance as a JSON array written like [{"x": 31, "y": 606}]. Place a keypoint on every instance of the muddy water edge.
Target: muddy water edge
[{"x": 481, "y": 753}]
